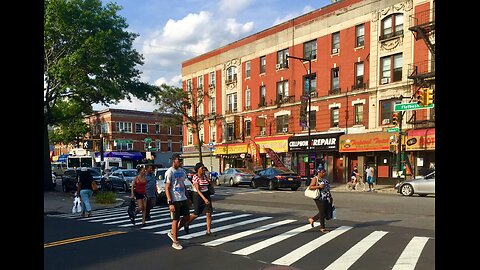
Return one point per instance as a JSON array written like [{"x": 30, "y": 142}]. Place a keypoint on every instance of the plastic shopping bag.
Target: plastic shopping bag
[{"x": 77, "y": 205}]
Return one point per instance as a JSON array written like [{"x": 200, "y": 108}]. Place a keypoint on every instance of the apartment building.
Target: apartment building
[{"x": 321, "y": 89}]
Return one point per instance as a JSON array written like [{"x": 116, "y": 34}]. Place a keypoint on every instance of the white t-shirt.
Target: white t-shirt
[
  {"x": 176, "y": 178},
  {"x": 369, "y": 171}
]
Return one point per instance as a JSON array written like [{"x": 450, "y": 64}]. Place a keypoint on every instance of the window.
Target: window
[
  {"x": 212, "y": 105},
  {"x": 169, "y": 149},
  {"x": 359, "y": 35},
  {"x": 263, "y": 102},
  {"x": 231, "y": 74},
  {"x": 282, "y": 58},
  {"x": 230, "y": 132},
  {"x": 200, "y": 82},
  {"x": 392, "y": 26},
  {"x": 169, "y": 130},
  {"x": 310, "y": 50},
  {"x": 358, "y": 75},
  {"x": 212, "y": 79},
  {"x": 334, "y": 117},
  {"x": 263, "y": 131},
  {"x": 247, "y": 69},
  {"x": 213, "y": 135},
  {"x": 336, "y": 42},
  {"x": 282, "y": 90},
  {"x": 248, "y": 125},
  {"x": 313, "y": 120},
  {"x": 313, "y": 89},
  {"x": 232, "y": 102},
  {"x": 123, "y": 127},
  {"x": 201, "y": 110},
  {"x": 180, "y": 130},
  {"x": 358, "y": 114},
  {"x": 158, "y": 145},
  {"x": 335, "y": 79},
  {"x": 157, "y": 128},
  {"x": 282, "y": 123},
  {"x": 124, "y": 145},
  {"x": 104, "y": 128},
  {"x": 386, "y": 107},
  {"x": 141, "y": 128},
  {"x": 189, "y": 85},
  {"x": 387, "y": 63},
  {"x": 190, "y": 138},
  {"x": 247, "y": 100},
  {"x": 263, "y": 64}
]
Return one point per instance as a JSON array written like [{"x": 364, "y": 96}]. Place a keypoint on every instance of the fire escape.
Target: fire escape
[{"x": 422, "y": 25}]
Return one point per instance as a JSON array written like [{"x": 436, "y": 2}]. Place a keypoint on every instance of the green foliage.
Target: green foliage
[
  {"x": 105, "y": 197},
  {"x": 69, "y": 132}
]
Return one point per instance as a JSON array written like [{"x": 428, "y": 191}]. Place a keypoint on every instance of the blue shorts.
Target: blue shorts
[{"x": 369, "y": 179}]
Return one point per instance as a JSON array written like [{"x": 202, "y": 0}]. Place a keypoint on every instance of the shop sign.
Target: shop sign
[
  {"x": 420, "y": 139},
  {"x": 365, "y": 142},
  {"x": 230, "y": 149},
  {"x": 317, "y": 142}
]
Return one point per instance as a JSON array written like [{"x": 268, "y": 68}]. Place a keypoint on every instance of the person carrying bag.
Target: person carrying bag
[{"x": 319, "y": 182}]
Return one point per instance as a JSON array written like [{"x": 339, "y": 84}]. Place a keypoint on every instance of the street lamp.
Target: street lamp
[{"x": 309, "y": 77}]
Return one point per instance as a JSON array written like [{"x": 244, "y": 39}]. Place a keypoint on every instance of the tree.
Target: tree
[
  {"x": 88, "y": 59},
  {"x": 188, "y": 106}
]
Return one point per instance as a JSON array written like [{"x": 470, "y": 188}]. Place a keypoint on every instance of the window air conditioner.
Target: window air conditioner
[
  {"x": 385, "y": 121},
  {"x": 385, "y": 80},
  {"x": 230, "y": 138},
  {"x": 285, "y": 129},
  {"x": 278, "y": 66},
  {"x": 262, "y": 132},
  {"x": 335, "y": 50}
]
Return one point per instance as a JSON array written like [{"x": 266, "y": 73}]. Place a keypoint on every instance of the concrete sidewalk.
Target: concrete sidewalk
[{"x": 57, "y": 202}]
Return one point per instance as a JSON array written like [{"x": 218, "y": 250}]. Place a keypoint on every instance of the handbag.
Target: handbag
[
  {"x": 131, "y": 210},
  {"x": 77, "y": 205},
  {"x": 313, "y": 194},
  {"x": 94, "y": 186}
]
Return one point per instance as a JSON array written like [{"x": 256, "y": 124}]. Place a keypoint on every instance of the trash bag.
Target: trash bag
[
  {"x": 132, "y": 211},
  {"x": 77, "y": 205}
]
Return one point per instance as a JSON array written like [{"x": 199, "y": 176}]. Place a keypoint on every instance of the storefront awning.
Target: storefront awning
[
  {"x": 62, "y": 158},
  {"x": 229, "y": 149},
  {"x": 420, "y": 139},
  {"x": 124, "y": 155},
  {"x": 365, "y": 142}
]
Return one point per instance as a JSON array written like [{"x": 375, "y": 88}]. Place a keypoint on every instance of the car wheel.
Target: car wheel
[
  {"x": 253, "y": 185},
  {"x": 271, "y": 185},
  {"x": 406, "y": 190},
  {"x": 231, "y": 182}
]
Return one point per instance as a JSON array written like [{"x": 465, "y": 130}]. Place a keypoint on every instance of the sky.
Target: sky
[{"x": 171, "y": 32}]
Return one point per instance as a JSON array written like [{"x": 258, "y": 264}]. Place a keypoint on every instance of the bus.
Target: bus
[{"x": 80, "y": 158}]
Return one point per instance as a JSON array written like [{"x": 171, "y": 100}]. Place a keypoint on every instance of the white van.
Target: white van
[{"x": 110, "y": 162}]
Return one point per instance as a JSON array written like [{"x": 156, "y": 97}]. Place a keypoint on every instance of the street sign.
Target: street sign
[
  {"x": 210, "y": 144},
  {"x": 148, "y": 140},
  {"x": 392, "y": 129},
  {"x": 411, "y": 106}
]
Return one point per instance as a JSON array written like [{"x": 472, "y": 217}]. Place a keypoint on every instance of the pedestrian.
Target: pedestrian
[
  {"x": 177, "y": 199},
  {"x": 370, "y": 172},
  {"x": 84, "y": 190},
  {"x": 139, "y": 191},
  {"x": 201, "y": 198},
  {"x": 320, "y": 182},
  {"x": 151, "y": 189}
]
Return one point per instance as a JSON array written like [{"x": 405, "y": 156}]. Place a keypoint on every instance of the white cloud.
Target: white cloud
[
  {"x": 227, "y": 8},
  {"x": 136, "y": 104},
  {"x": 292, "y": 15}
]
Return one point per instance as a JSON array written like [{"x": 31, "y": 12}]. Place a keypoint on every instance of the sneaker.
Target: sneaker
[
  {"x": 176, "y": 245},
  {"x": 170, "y": 234},
  {"x": 186, "y": 227}
]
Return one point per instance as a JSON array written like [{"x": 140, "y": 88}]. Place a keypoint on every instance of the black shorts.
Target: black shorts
[
  {"x": 199, "y": 205},
  {"x": 139, "y": 196},
  {"x": 181, "y": 209}
]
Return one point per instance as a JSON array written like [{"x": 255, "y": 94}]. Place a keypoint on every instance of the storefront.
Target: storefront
[
  {"x": 231, "y": 155},
  {"x": 369, "y": 149},
  {"x": 278, "y": 146},
  {"x": 420, "y": 148},
  {"x": 323, "y": 151},
  {"x": 191, "y": 156}
]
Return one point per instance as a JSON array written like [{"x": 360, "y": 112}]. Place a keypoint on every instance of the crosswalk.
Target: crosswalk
[{"x": 247, "y": 234}]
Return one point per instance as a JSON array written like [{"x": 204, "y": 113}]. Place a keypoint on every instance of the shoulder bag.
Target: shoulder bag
[{"x": 313, "y": 194}]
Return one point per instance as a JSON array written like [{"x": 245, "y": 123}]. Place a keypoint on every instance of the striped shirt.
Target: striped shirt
[{"x": 203, "y": 182}]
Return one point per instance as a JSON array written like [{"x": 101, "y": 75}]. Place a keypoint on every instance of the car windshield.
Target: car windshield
[
  {"x": 284, "y": 171},
  {"x": 130, "y": 173}
]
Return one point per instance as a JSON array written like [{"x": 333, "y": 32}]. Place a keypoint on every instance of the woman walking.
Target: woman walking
[
  {"x": 139, "y": 190},
  {"x": 84, "y": 190},
  {"x": 320, "y": 182}
]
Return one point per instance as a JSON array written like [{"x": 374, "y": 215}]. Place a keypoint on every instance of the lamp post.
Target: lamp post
[{"x": 309, "y": 71}]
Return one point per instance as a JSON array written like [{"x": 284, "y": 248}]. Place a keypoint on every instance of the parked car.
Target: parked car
[
  {"x": 422, "y": 185},
  {"x": 235, "y": 177},
  {"x": 160, "y": 177},
  {"x": 276, "y": 177},
  {"x": 58, "y": 168},
  {"x": 69, "y": 178},
  {"x": 122, "y": 178},
  {"x": 190, "y": 171}
]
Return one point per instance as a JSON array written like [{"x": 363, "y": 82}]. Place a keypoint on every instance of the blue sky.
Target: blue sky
[{"x": 171, "y": 32}]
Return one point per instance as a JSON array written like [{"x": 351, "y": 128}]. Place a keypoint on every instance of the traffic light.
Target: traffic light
[
  {"x": 395, "y": 118},
  {"x": 421, "y": 96},
  {"x": 428, "y": 96}
]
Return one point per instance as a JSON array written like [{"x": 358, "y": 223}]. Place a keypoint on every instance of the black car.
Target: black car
[
  {"x": 69, "y": 178},
  {"x": 274, "y": 178},
  {"x": 160, "y": 177}
]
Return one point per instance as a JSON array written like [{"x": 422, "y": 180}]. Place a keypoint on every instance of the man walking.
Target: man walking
[
  {"x": 370, "y": 173},
  {"x": 151, "y": 189},
  {"x": 177, "y": 198}
]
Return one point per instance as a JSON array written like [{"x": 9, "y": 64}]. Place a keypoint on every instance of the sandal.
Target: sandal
[
  {"x": 311, "y": 221},
  {"x": 323, "y": 230}
]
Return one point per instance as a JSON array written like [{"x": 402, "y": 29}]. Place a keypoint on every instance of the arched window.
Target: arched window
[
  {"x": 231, "y": 74},
  {"x": 392, "y": 26}
]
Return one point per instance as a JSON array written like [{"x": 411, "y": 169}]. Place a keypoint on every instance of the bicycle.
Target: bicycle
[{"x": 358, "y": 186}]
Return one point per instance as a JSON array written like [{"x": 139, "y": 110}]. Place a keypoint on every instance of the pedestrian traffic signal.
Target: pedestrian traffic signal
[
  {"x": 429, "y": 96},
  {"x": 395, "y": 118},
  {"x": 421, "y": 96}
]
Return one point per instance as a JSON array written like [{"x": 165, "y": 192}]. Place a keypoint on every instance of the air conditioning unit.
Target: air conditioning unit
[
  {"x": 262, "y": 132},
  {"x": 278, "y": 66},
  {"x": 121, "y": 130},
  {"x": 230, "y": 138},
  {"x": 385, "y": 121},
  {"x": 385, "y": 80},
  {"x": 285, "y": 129},
  {"x": 335, "y": 50}
]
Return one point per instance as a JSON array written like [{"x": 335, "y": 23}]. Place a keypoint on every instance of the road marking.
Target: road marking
[
  {"x": 236, "y": 236},
  {"x": 355, "y": 252},
  {"x": 78, "y": 239},
  {"x": 270, "y": 241},
  {"x": 302, "y": 251},
  {"x": 410, "y": 255}
]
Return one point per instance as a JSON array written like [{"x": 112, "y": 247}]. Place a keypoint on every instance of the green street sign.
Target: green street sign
[
  {"x": 411, "y": 106},
  {"x": 392, "y": 129},
  {"x": 148, "y": 140}
]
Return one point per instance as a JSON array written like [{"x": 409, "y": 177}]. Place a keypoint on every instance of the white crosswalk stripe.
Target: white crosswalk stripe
[{"x": 410, "y": 255}]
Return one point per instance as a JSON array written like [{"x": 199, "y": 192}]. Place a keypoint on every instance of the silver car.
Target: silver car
[
  {"x": 235, "y": 177},
  {"x": 422, "y": 186},
  {"x": 122, "y": 179}
]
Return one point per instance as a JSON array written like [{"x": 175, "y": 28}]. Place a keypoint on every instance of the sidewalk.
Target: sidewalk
[{"x": 57, "y": 202}]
